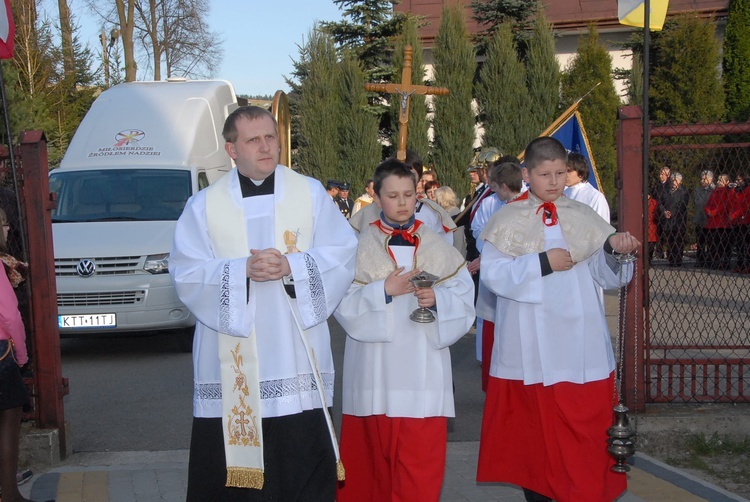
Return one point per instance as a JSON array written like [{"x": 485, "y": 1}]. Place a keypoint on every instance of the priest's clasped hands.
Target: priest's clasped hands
[
  {"x": 267, "y": 265},
  {"x": 398, "y": 284}
]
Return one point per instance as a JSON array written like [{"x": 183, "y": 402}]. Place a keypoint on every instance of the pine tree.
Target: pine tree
[
  {"x": 590, "y": 66},
  {"x": 70, "y": 96},
  {"x": 490, "y": 14},
  {"x": 418, "y": 139},
  {"x": 360, "y": 150},
  {"x": 737, "y": 61},
  {"x": 33, "y": 71},
  {"x": 685, "y": 82},
  {"x": 318, "y": 108},
  {"x": 367, "y": 28},
  {"x": 502, "y": 96},
  {"x": 454, "y": 119},
  {"x": 542, "y": 77}
]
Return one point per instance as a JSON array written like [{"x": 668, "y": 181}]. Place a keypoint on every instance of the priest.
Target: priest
[{"x": 262, "y": 258}]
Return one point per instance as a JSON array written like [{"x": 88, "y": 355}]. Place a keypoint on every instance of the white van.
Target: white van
[{"x": 140, "y": 152}]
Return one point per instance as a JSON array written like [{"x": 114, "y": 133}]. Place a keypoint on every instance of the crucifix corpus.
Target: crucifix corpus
[{"x": 405, "y": 89}]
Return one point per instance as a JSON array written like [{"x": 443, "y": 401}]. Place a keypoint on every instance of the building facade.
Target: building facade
[{"x": 570, "y": 19}]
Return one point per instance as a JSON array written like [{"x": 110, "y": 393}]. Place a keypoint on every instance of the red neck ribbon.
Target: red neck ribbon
[
  {"x": 406, "y": 233},
  {"x": 549, "y": 214},
  {"x": 550, "y": 210}
]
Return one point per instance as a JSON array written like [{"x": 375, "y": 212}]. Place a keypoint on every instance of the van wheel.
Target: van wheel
[{"x": 184, "y": 339}]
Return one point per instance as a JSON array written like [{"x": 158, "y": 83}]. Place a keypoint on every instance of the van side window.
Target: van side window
[{"x": 202, "y": 180}]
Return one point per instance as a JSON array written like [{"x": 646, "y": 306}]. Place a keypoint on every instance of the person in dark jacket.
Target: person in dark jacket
[{"x": 673, "y": 218}]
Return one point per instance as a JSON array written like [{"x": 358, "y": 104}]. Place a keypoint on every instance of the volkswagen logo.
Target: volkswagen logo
[{"x": 86, "y": 268}]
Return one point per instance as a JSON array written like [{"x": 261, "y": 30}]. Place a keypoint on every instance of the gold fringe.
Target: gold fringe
[
  {"x": 340, "y": 472},
  {"x": 244, "y": 477}
]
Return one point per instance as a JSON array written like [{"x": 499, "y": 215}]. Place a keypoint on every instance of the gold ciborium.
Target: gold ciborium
[{"x": 423, "y": 280}]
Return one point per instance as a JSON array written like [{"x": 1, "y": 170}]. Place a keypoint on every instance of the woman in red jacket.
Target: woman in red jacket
[{"x": 719, "y": 225}]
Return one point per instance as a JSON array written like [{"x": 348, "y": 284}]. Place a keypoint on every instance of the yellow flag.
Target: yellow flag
[{"x": 631, "y": 13}]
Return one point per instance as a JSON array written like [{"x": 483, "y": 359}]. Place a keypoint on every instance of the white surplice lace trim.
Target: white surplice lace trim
[
  {"x": 316, "y": 303},
  {"x": 284, "y": 390}
]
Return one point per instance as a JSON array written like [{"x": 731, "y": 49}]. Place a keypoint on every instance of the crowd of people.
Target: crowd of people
[
  {"x": 720, "y": 218},
  {"x": 265, "y": 256},
  {"x": 263, "y": 368}
]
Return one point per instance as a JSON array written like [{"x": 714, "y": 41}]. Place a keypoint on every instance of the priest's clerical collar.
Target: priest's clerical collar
[{"x": 251, "y": 188}]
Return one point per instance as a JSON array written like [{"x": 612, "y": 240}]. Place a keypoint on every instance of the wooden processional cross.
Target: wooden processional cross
[{"x": 405, "y": 89}]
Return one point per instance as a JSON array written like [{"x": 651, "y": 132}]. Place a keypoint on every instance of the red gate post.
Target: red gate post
[
  {"x": 38, "y": 202},
  {"x": 631, "y": 218}
]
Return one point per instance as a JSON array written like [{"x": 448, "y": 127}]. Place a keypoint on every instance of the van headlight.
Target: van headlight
[{"x": 157, "y": 263}]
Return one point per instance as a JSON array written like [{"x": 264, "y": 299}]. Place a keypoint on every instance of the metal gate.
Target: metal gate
[{"x": 695, "y": 308}]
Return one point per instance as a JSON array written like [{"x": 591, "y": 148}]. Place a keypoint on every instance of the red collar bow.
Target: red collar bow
[
  {"x": 406, "y": 233},
  {"x": 408, "y": 236},
  {"x": 549, "y": 216}
]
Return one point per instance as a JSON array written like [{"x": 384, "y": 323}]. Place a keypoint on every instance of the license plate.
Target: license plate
[{"x": 87, "y": 321}]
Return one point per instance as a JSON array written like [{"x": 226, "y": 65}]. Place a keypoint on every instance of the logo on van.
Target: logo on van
[
  {"x": 86, "y": 268},
  {"x": 129, "y": 136}
]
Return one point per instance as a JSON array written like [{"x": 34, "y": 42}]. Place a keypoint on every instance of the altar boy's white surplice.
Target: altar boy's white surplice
[{"x": 394, "y": 366}]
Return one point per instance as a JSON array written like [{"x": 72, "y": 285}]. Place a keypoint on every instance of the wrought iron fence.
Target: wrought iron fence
[{"x": 697, "y": 344}]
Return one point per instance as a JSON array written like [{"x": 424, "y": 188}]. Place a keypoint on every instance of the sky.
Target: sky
[{"x": 261, "y": 37}]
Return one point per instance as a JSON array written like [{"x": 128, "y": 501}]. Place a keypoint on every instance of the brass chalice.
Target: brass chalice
[{"x": 423, "y": 280}]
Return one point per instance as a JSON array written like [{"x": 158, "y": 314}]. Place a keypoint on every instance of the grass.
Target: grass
[
  {"x": 699, "y": 444},
  {"x": 720, "y": 456}
]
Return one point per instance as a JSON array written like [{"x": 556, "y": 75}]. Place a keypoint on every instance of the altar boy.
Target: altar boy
[
  {"x": 397, "y": 383},
  {"x": 550, "y": 392}
]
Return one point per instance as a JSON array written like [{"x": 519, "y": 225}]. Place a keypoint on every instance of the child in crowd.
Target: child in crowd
[
  {"x": 397, "y": 381},
  {"x": 551, "y": 387}
]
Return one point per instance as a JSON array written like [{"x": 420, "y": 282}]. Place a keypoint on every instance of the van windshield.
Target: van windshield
[{"x": 119, "y": 194}]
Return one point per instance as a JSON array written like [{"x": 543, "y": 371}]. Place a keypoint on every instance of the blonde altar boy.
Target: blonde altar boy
[
  {"x": 551, "y": 388},
  {"x": 397, "y": 383}
]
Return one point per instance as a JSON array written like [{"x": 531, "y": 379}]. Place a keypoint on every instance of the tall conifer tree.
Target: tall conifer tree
[
  {"x": 360, "y": 150},
  {"x": 685, "y": 82},
  {"x": 542, "y": 77},
  {"x": 319, "y": 108},
  {"x": 454, "y": 118},
  {"x": 737, "y": 61},
  {"x": 490, "y": 14},
  {"x": 502, "y": 96},
  {"x": 367, "y": 28}
]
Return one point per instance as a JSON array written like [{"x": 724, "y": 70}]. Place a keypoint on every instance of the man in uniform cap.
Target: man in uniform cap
[
  {"x": 477, "y": 171},
  {"x": 477, "y": 185},
  {"x": 343, "y": 200},
  {"x": 332, "y": 188}
]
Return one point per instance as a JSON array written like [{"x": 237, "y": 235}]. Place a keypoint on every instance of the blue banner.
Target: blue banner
[{"x": 573, "y": 136}]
